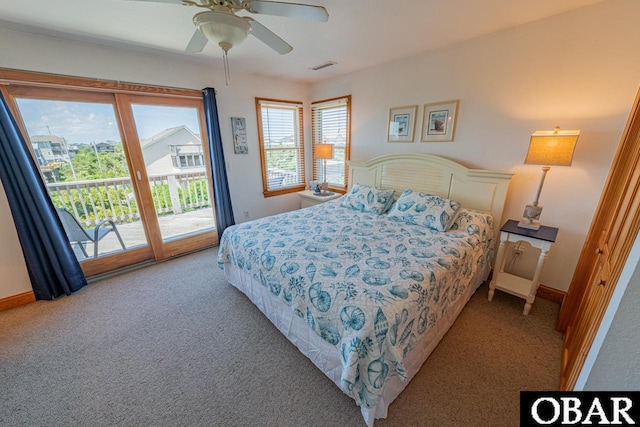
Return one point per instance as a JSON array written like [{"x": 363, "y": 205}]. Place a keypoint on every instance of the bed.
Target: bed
[{"x": 368, "y": 284}]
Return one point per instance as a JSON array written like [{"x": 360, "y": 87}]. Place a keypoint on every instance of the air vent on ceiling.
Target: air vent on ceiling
[{"x": 321, "y": 66}]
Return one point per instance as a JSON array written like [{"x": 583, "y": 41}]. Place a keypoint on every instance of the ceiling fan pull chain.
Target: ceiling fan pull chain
[{"x": 227, "y": 74}]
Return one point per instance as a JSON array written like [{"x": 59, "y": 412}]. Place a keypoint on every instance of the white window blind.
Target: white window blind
[
  {"x": 281, "y": 145},
  {"x": 331, "y": 124}
]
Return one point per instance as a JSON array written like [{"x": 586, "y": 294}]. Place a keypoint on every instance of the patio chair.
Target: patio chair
[{"x": 76, "y": 233}]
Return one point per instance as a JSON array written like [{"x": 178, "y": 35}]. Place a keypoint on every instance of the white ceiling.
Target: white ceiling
[{"x": 359, "y": 33}]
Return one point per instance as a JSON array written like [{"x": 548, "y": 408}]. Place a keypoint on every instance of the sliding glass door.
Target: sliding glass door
[
  {"x": 130, "y": 181},
  {"x": 168, "y": 141},
  {"x": 174, "y": 159}
]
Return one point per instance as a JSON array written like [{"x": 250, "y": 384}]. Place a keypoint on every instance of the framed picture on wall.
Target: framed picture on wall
[
  {"x": 402, "y": 124},
  {"x": 239, "y": 131},
  {"x": 439, "y": 121}
]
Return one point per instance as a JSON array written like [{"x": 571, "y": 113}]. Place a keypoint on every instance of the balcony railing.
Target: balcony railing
[
  {"x": 280, "y": 178},
  {"x": 113, "y": 198}
]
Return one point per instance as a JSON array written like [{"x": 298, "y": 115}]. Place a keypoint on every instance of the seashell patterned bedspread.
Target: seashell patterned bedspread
[{"x": 366, "y": 284}]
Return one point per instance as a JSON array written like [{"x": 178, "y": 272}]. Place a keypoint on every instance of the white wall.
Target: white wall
[
  {"x": 15, "y": 279},
  {"x": 579, "y": 70}
]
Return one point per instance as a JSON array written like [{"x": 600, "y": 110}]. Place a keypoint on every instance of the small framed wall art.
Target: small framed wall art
[
  {"x": 239, "y": 130},
  {"x": 439, "y": 121},
  {"x": 402, "y": 124}
]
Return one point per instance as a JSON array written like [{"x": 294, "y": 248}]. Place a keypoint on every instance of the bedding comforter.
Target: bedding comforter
[{"x": 368, "y": 285}]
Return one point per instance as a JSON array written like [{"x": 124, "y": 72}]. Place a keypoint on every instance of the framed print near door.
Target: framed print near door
[
  {"x": 402, "y": 124},
  {"x": 239, "y": 130},
  {"x": 439, "y": 121}
]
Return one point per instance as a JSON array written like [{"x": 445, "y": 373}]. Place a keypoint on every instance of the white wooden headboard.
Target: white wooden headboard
[{"x": 479, "y": 189}]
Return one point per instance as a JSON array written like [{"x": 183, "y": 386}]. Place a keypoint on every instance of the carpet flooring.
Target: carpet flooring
[{"x": 174, "y": 344}]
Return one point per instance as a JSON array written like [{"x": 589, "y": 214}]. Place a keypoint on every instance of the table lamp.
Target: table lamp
[
  {"x": 547, "y": 148},
  {"x": 324, "y": 152}
]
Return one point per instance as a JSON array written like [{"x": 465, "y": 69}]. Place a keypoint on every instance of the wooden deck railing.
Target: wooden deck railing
[{"x": 113, "y": 198}]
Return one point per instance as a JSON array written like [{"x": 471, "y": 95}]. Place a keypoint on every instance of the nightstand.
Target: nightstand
[
  {"x": 309, "y": 198},
  {"x": 519, "y": 286}
]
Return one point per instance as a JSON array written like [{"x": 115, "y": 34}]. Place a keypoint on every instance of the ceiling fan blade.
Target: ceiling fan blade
[
  {"x": 197, "y": 42},
  {"x": 269, "y": 38},
  {"x": 290, "y": 10}
]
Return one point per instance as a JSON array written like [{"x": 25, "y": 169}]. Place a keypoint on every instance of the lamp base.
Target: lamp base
[
  {"x": 324, "y": 188},
  {"x": 529, "y": 225},
  {"x": 529, "y": 217}
]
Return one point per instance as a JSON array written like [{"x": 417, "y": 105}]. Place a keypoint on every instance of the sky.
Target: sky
[{"x": 84, "y": 122}]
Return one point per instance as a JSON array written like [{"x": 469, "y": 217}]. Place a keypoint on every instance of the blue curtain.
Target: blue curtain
[
  {"x": 224, "y": 212},
  {"x": 52, "y": 266}
]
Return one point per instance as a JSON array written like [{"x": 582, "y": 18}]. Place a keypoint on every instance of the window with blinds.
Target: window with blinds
[
  {"x": 331, "y": 124},
  {"x": 280, "y": 132}
]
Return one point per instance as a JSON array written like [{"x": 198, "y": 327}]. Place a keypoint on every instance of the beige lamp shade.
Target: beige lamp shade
[
  {"x": 552, "y": 148},
  {"x": 324, "y": 151}
]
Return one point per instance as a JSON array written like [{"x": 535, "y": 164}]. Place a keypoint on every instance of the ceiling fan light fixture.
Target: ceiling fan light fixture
[{"x": 224, "y": 29}]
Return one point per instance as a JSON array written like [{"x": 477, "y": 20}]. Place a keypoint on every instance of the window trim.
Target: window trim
[
  {"x": 263, "y": 160},
  {"x": 315, "y": 174}
]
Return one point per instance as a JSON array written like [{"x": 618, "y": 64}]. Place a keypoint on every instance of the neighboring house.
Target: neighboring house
[
  {"x": 175, "y": 149},
  {"x": 52, "y": 148},
  {"x": 105, "y": 147},
  {"x": 51, "y": 151},
  {"x": 73, "y": 150},
  {"x": 172, "y": 150},
  {"x": 39, "y": 157}
]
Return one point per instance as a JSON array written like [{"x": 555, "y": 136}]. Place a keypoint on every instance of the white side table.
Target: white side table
[
  {"x": 519, "y": 286},
  {"x": 309, "y": 198}
]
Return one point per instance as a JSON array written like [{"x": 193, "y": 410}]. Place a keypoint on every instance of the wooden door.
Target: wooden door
[{"x": 604, "y": 254}]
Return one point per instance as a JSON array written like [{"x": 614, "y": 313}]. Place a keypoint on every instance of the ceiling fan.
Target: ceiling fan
[{"x": 221, "y": 25}]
